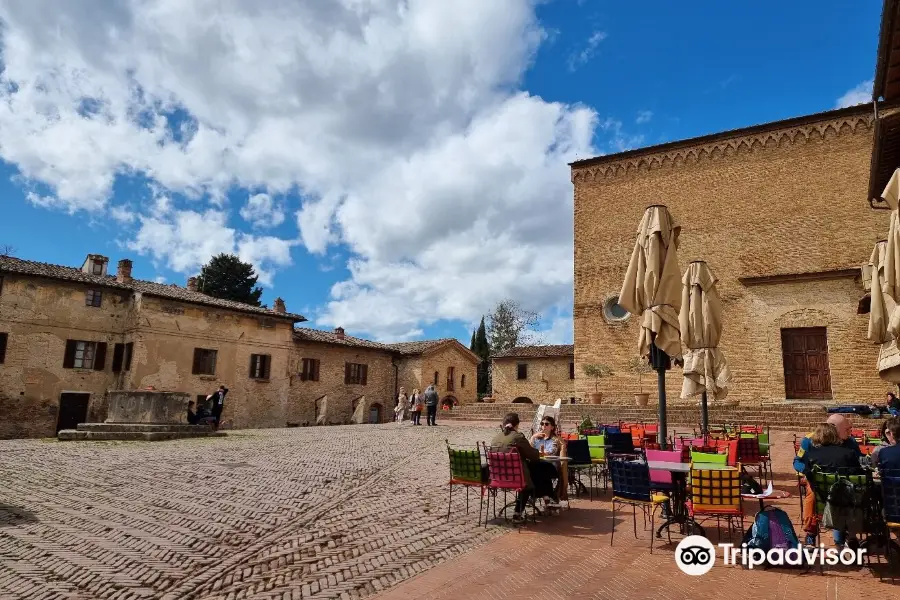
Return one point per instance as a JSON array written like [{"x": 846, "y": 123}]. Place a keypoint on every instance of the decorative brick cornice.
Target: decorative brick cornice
[{"x": 723, "y": 147}]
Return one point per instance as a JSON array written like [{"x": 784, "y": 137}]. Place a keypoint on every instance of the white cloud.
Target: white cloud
[
  {"x": 643, "y": 116},
  {"x": 584, "y": 55},
  {"x": 122, "y": 214},
  {"x": 397, "y": 120},
  {"x": 619, "y": 139},
  {"x": 861, "y": 94},
  {"x": 261, "y": 211}
]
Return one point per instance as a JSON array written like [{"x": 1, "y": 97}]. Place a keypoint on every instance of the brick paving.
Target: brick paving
[
  {"x": 569, "y": 556},
  {"x": 326, "y": 512}
]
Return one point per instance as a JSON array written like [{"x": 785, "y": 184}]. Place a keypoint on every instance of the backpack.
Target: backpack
[
  {"x": 772, "y": 528},
  {"x": 844, "y": 507}
]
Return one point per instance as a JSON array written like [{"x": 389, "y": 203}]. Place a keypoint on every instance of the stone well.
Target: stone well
[{"x": 149, "y": 407}]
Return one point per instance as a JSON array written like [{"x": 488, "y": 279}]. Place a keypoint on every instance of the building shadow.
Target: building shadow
[{"x": 14, "y": 515}]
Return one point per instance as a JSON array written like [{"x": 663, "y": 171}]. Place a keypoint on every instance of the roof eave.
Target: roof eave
[{"x": 885, "y": 34}]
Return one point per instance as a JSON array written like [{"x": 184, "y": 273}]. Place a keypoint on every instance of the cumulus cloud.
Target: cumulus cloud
[
  {"x": 861, "y": 94},
  {"x": 394, "y": 129},
  {"x": 261, "y": 211}
]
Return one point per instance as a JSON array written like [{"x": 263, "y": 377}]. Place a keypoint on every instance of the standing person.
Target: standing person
[
  {"x": 402, "y": 406},
  {"x": 431, "y": 404},
  {"x": 416, "y": 406},
  {"x": 218, "y": 402}
]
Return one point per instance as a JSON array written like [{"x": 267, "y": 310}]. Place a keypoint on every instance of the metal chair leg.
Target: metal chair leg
[
  {"x": 450, "y": 503},
  {"x": 613, "y": 532}
]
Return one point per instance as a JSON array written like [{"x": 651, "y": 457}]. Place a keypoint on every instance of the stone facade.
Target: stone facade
[
  {"x": 447, "y": 362},
  {"x": 779, "y": 212},
  {"x": 547, "y": 376}
]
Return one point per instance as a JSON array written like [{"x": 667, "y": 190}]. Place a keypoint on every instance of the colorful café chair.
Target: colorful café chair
[
  {"x": 506, "y": 472},
  {"x": 632, "y": 487},
  {"x": 580, "y": 461},
  {"x": 597, "y": 449},
  {"x": 749, "y": 456},
  {"x": 890, "y": 494},
  {"x": 466, "y": 470},
  {"x": 717, "y": 494}
]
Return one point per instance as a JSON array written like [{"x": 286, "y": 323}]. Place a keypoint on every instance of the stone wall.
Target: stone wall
[
  {"x": 784, "y": 200},
  {"x": 439, "y": 362},
  {"x": 39, "y": 316},
  {"x": 548, "y": 379},
  {"x": 379, "y": 389}
]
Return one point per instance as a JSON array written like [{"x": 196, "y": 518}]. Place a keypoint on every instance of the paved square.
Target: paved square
[{"x": 325, "y": 512}]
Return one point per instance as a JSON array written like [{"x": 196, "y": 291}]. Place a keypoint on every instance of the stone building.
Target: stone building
[
  {"x": 68, "y": 335},
  {"x": 448, "y": 365},
  {"x": 780, "y": 213},
  {"x": 534, "y": 374},
  {"x": 72, "y": 334}
]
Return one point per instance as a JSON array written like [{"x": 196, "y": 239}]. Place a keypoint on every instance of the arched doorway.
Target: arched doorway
[
  {"x": 522, "y": 400},
  {"x": 375, "y": 413},
  {"x": 449, "y": 402}
]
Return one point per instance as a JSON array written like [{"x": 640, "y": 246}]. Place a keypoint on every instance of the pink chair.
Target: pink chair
[
  {"x": 662, "y": 479},
  {"x": 505, "y": 472}
]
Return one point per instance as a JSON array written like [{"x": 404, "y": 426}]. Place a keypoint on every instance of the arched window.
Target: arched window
[
  {"x": 436, "y": 375},
  {"x": 462, "y": 380}
]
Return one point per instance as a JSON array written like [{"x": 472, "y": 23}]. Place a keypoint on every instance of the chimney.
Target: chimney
[
  {"x": 95, "y": 264},
  {"x": 123, "y": 272},
  {"x": 278, "y": 306},
  {"x": 339, "y": 331},
  {"x": 192, "y": 284}
]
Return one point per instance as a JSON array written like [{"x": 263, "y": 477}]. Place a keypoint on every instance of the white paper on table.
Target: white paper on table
[{"x": 766, "y": 493}]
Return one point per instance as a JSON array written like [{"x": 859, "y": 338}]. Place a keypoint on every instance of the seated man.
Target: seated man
[
  {"x": 191, "y": 415},
  {"x": 843, "y": 426}
]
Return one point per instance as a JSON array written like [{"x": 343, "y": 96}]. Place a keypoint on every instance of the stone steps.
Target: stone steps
[
  {"x": 134, "y": 432},
  {"x": 791, "y": 417}
]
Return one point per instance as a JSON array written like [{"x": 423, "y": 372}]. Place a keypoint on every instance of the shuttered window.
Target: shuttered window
[
  {"x": 309, "y": 369},
  {"x": 204, "y": 361},
  {"x": 81, "y": 354},
  {"x": 522, "y": 371},
  {"x": 451, "y": 377},
  {"x": 3, "y": 339},
  {"x": 93, "y": 298},
  {"x": 355, "y": 374},
  {"x": 259, "y": 366}
]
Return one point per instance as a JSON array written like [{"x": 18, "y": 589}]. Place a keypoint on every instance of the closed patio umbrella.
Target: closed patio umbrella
[
  {"x": 881, "y": 305},
  {"x": 652, "y": 290},
  {"x": 705, "y": 369},
  {"x": 891, "y": 261}
]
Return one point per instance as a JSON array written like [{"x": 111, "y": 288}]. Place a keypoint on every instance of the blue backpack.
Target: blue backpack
[{"x": 771, "y": 528}]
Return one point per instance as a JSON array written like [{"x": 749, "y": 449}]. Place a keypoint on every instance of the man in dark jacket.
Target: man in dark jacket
[
  {"x": 431, "y": 404},
  {"x": 218, "y": 403}
]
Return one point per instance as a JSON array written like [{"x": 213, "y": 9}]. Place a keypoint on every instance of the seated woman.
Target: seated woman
[
  {"x": 829, "y": 455},
  {"x": 887, "y": 458},
  {"x": 546, "y": 438},
  {"x": 537, "y": 476}
]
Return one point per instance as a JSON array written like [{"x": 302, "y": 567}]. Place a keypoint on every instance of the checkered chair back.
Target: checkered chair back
[
  {"x": 465, "y": 464},
  {"x": 657, "y": 476},
  {"x": 890, "y": 490},
  {"x": 715, "y": 490},
  {"x": 748, "y": 450},
  {"x": 630, "y": 480},
  {"x": 821, "y": 484},
  {"x": 505, "y": 468}
]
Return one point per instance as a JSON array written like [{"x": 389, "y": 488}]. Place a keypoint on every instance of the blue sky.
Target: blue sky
[{"x": 384, "y": 204}]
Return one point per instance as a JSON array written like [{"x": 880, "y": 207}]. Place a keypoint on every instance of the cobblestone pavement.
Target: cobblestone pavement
[{"x": 327, "y": 512}]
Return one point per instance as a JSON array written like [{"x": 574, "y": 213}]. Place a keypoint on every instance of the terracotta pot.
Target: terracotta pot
[
  {"x": 595, "y": 397},
  {"x": 488, "y": 399},
  {"x": 642, "y": 399}
]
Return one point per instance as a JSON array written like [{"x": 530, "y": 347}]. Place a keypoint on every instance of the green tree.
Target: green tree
[
  {"x": 482, "y": 350},
  {"x": 472, "y": 345},
  {"x": 226, "y": 276},
  {"x": 509, "y": 325}
]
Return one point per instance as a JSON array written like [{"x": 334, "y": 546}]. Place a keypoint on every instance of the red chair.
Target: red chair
[
  {"x": 506, "y": 472},
  {"x": 749, "y": 456}
]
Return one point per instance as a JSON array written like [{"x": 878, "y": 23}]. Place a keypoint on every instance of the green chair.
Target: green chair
[
  {"x": 708, "y": 458},
  {"x": 466, "y": 470},
  {"x": 597, "y": 449}
]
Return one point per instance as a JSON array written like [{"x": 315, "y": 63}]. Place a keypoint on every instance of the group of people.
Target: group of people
[
  {"x": 414, "y": 404},
  {"x": 832, "y": 449},
  {"x": 208, "y": 415},
  {"x": 539, "y": 474}
]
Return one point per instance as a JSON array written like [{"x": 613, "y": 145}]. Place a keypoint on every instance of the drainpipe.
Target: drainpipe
[{"x": 396, "y": 379}]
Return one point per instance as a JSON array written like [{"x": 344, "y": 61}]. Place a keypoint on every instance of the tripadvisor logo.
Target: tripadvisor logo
[{"x": 695, "y": 555}]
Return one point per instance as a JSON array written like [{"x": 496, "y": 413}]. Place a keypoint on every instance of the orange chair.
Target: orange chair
[{"x": 717, "y": 494}]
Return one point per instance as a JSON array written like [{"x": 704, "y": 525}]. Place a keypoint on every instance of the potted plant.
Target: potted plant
[
  {"x": 597, "y": 372},
  {"x": 640, "y": 367},
  {"x": 584, "y": 425}
]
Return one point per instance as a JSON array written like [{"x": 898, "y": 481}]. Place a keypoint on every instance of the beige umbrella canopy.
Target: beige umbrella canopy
[
  {"x": 882, "y": 306},
  {"x": 705, "y": 369},
  {"x": 652, "y": 286},
  {"x": 891, "y": 260}
]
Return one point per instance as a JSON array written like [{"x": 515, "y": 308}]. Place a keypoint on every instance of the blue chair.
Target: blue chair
[
  {"x": 631, "y": 486},
  {"x": 580, "y": 454},
  {"x": 620, "y": 444},
  {"x": 890, "y": 500}
]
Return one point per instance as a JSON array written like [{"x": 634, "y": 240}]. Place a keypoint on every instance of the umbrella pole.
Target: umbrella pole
[
  {"x": 704, "y": 415},
  {"x": 663, "y": 434}
]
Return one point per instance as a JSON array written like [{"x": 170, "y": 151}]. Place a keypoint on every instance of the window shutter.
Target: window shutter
[
  {"x": 69, "y": 356},
  {"x": 346, "y": 373},
  {"x": 3, "y": 338},
  {"x": 315, "y": 364},
  {"x": 268, "y": 365},
  {"x": 365, "y": 373},
  {"x": 118, "y": 356},
  {"x": 304, "y": 369},
  {"x": 196, "y": 366},
  {"x": 129, "y": 349},
  {"x": 100, "y": 356},
  {"x": 252, "y": 371}
]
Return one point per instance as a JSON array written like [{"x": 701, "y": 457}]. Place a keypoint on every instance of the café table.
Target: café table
[
  {"x": 562, "y": 486},
  {"x": 679, "y": 513},
  {"x": 775, "y": 495}
]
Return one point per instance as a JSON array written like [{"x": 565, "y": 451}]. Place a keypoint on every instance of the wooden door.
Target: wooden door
[
  {"x": 805, "y": 354},
  {"x": 73, "y": 409}
]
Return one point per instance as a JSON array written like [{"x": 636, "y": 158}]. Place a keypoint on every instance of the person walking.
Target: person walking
[
  {"x": 402, "y": 406},
  {"x": 431, "y": 404},
  {"x": 416, "y": 405},
  {"x": 218, "y": 403}
]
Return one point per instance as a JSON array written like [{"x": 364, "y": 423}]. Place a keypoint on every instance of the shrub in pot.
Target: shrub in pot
[
  {"x": 640, "y": 367},
  {"x": 597, "y": 372}
]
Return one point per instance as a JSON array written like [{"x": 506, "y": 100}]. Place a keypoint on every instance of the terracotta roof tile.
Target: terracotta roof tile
[
  {"x": 561, "y": 350},
  {"x": 329, "y": 337},
  {"x": 10, "y": 264},
  {"x": 413, "y": 348}
]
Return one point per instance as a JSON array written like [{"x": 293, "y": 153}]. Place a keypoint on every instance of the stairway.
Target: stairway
[{"x": 134, "y": 432}]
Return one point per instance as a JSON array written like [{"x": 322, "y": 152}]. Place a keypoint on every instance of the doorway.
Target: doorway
[
  {"x": 73, "y": 409},
  {"x": 375, "y": 413},
  {"x": 805, "y": 354}
]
